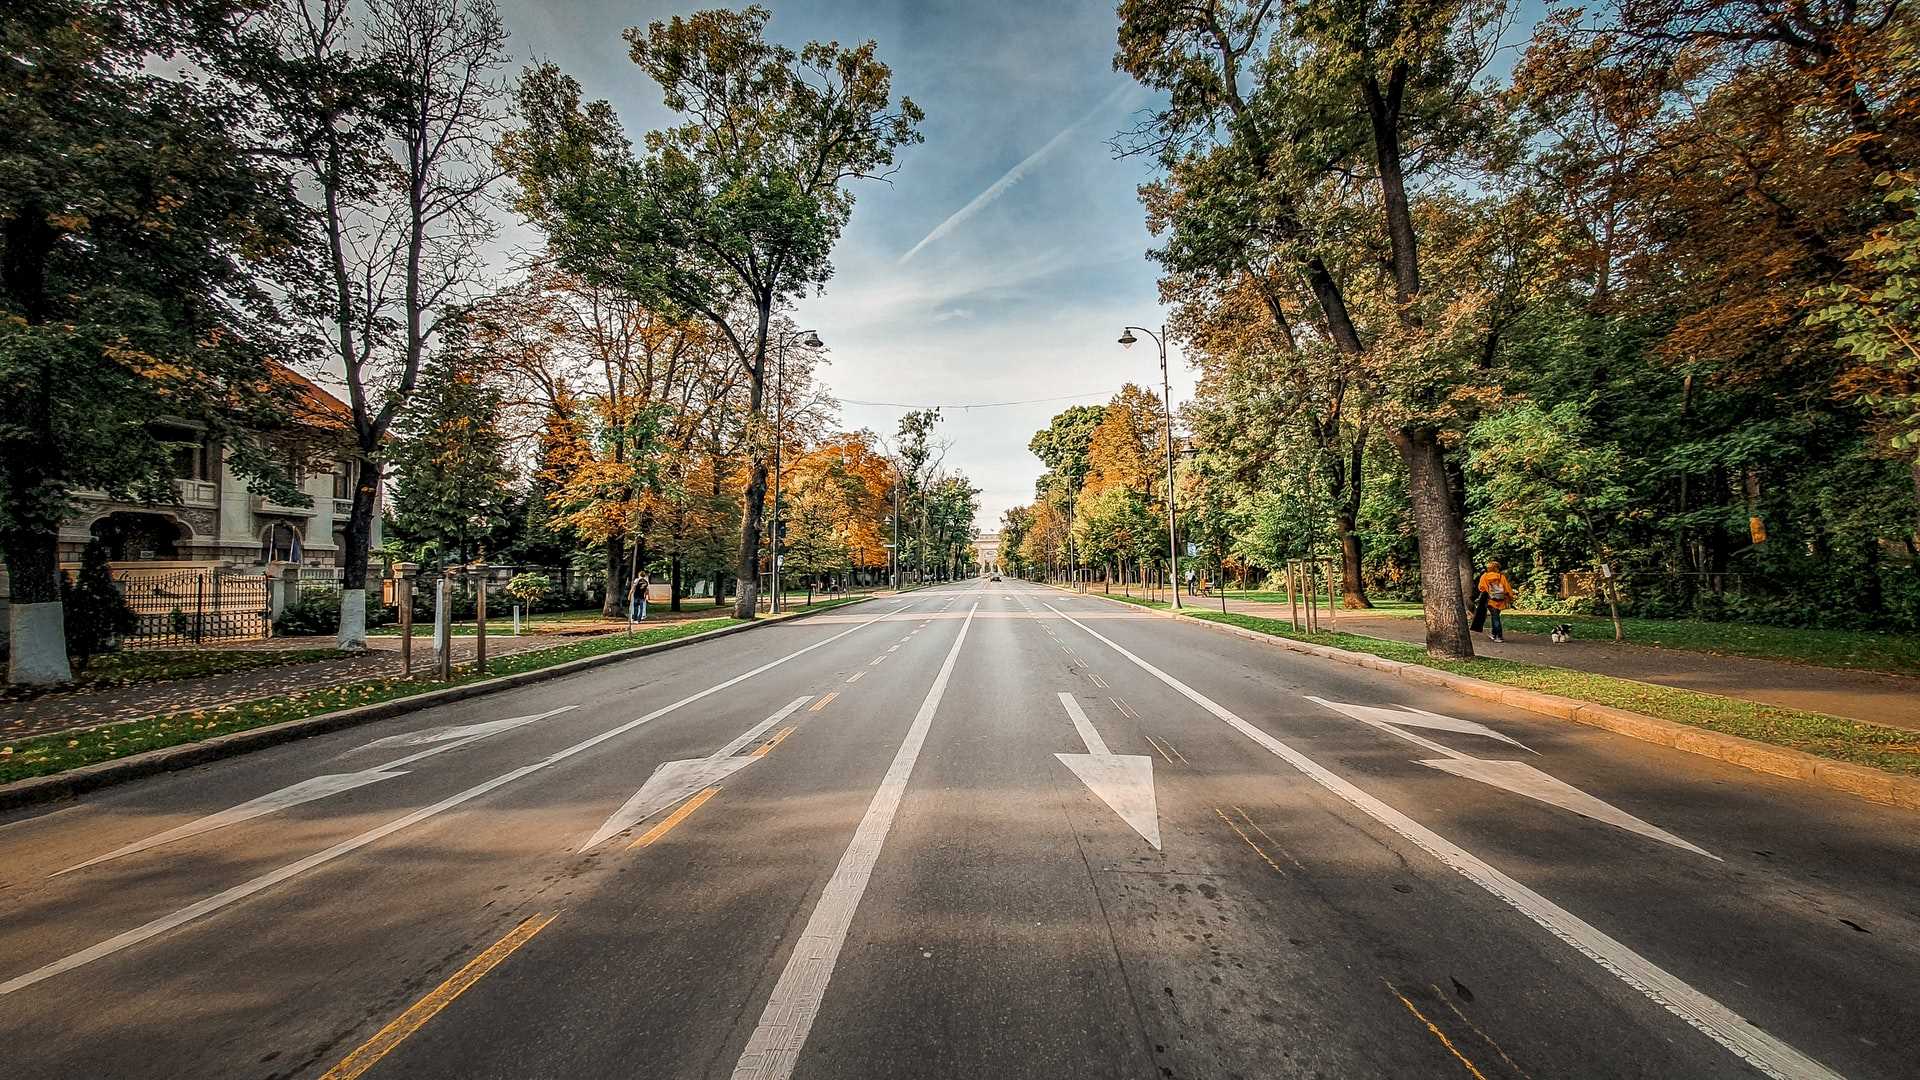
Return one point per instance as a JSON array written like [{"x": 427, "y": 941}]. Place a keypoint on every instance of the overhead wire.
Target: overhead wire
[{"x": 978, "y": 404}]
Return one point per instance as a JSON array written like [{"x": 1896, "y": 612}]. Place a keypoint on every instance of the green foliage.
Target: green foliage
[
  {"x": 97, "y": 615},
  {"x": 1878, "y": 323},
  {"x": 530, "y": 590},
  {"x": 1544, "y": 484},
  {"x": 315, "y": 611},
  {"x": 452, "y": 478}
]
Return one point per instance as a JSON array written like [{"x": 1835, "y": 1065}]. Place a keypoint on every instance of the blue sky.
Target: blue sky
[{"x": 1008, "y": 250}]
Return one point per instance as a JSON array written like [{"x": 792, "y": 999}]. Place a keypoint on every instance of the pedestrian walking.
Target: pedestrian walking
[{"x": 1496, "y": 592}]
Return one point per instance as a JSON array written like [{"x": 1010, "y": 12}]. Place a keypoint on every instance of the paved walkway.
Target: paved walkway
[{"x": 1893, "y": 700}]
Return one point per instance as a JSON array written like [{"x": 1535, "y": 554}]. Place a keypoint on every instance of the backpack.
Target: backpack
[{"x": 1496, "y": 590}]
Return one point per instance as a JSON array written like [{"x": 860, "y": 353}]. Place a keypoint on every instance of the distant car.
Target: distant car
[{"x": 996, "y": 577}]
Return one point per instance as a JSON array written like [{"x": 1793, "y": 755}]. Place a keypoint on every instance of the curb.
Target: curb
[
  {"x": 1864, "y": 781},
  {"x": 86, "y": 778}
]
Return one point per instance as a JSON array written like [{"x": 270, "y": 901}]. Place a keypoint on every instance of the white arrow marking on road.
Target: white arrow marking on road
[
  {"x": 209, "y": 905},
  {"x": 1373, "y": 714},
  {"x": 455, "y": 731},
  {"x": 1515, "y": 776},
  {"x": 1523, "y": 779},
  {"x": 675, "y": 780},
  {"x": 1123, "y": 781},
  {"x": 320, "y": 787},
  {"x": 1707, "y": 1015}
]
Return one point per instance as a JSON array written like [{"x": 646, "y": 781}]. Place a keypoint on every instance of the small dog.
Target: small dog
[{"x": 1562, "y": 632}]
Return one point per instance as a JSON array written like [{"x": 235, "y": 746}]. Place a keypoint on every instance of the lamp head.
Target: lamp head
[
  {"x": 813, "y": 340},
  {"x": 1127, "y": 339}
]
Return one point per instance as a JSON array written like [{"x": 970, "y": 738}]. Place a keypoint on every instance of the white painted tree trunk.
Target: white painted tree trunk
[
  {"x": 353, "y": 620},
  {"x": 37, "y": 645}
]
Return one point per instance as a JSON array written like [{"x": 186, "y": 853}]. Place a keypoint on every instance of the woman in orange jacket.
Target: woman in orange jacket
[{"x": 1498, "y": 592}]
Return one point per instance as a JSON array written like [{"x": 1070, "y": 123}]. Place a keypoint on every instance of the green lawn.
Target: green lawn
[
  {"x": 154, "y": 665},
  {"x": 47, "y": 754},
  {"x": 1860, "y": 650},
  {"x": 55, "y": 753},
  {"x": 1893, "y": 749}
]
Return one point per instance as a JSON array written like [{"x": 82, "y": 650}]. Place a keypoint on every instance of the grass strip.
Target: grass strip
[
  {"x": 1893, "y": 749},
  {"x": 46, "y": 754},
  {"x": 1848, "y": 650},
  {"x": 157, "y": 665}
]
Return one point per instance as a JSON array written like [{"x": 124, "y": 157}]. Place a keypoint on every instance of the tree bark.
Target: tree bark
[
  {"x": 1383, "y": 111},
  {"x": 1447, "y": 634},
  {"x": 614, "y": 550},
  {"x": 1346, "y": 516},
  {"x": 674, "y": 579},
  {"x": 1457, "y": 526},
  {"x": 746, "y": 570}
]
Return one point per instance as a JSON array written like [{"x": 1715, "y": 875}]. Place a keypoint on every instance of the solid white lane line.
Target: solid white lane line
[
  {"x": 293, "y": 869},
  {"x": 774, "y": 1047},
  {"x": 1719, "y": 1023}
]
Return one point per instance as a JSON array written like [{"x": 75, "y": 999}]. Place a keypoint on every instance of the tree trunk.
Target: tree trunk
[
  {"x": 614, "y": 550},
  {"x": 1447, "y": 635},
  {"x": 674, "y": 580},
  {"x": 1352, "y": 551},
  {"x": 352, "y": 636},
  {"x": 746, "y": 568},
  {"x": 32, "y": 471},
  {"x": 719, "y": 588},
  {"x": 1457, "y": 526},
  {"x": 1383, "y": 112}
]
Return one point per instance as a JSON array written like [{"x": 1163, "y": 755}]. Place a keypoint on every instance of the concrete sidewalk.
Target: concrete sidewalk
[{"x": 1892, "y": 700}]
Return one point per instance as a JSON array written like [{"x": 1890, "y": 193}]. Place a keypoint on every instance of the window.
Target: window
[
  {"x": 343, "y": 479},
  {"x": 279, "y": 543},
  {"x": 188, "y": 454}
]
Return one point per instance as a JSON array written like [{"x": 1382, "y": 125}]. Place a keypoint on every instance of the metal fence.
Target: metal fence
[{"x": 193, "y": 606}]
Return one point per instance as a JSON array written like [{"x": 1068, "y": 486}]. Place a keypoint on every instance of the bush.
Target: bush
[
  {"x": 97, "y": 616},
  {"x": 317, "y": 611}
]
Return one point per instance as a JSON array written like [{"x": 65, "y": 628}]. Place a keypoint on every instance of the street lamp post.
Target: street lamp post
[
  {"x": 1166, "y": 404},
  {"x": 779, "y": 436}
]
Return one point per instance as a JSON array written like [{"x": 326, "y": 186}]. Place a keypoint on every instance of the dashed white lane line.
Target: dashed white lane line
[
  {"x": 774, "y": 1047},
  {"x": 856, "y": 676},
  {"x": 1719, "y": 1023},
  {"x": 876, "y": 661}
]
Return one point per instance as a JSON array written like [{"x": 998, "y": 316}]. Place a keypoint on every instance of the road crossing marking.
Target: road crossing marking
[
  {"x": 211, "y": 904},
  {"x": 774, "y": 1047},
  {"x": 652, "y": 836},
  {"x": 1732, "y": 1031},
  {"x": 416, "y": 1017}
]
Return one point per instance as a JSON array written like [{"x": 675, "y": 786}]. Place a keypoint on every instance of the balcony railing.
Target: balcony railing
[
  {"x": 342, "y": 509},
  {"x": 264, "y": 505},
  {"x": 198, "y": 492}
]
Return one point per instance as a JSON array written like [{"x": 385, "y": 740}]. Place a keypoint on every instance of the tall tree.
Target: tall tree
[
  {"x": 453, "y": 484},
  {"x": 399, "y": 162},
  {"x": 144, "y": 235},
  {"x": 730, "y": 215}
]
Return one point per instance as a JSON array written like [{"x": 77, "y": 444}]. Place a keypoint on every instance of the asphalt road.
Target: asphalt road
[{"x": 875, "y": 861}]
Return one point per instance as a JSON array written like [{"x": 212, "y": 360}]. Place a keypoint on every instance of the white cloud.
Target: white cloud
[{"x": 952, "y": 313}]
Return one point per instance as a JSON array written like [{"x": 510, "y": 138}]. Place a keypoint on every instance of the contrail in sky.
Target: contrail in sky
[{"x": 1014, "y": 175}]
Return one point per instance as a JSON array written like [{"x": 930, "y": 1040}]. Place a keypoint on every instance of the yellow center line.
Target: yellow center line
[
  {"x": 416, "y": 1017},
  {"x": 775, "y": 741},
  {"x": 1175, "y": 751},
  {"x": 822, "y": 703},
  {"x": 1256, "y": 847},
  {"x": 1163, "y": 753},
  {"x": 1512, "y": 1064},
  {"x": 1437, "y": 1033},
  {"x": 653, "y": 835}
]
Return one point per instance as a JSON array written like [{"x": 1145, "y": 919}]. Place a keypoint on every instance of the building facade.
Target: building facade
[{"x": 217, "y": 520}]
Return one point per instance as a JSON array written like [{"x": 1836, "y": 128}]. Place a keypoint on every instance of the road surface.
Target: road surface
[{"x": 991, "y": 830}]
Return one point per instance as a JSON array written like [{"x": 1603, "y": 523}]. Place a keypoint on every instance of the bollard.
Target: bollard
[
  {"x": 443, "y": 628},
  {"x": 516, "y": 620},
  {"x": 480, "y": 618}
]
